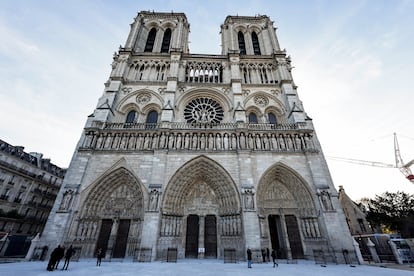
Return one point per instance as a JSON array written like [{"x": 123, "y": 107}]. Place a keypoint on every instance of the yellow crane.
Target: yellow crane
[{"x": 399, "y": 164}]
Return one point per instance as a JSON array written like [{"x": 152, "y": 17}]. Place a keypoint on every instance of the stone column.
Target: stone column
[
  {"x": 33, "y": 245},
  {"x": 201, "y": 248},
  {"x": 286, "y": 237},
  {"x": 373, "y": 251},
  {"x": 112, "y": 238},
  {"x": 358, "y": 252},
  {"x": 395, "y": 252}
]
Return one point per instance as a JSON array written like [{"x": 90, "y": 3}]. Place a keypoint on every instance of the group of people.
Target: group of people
[
  {"x": 265, "y": 253},
  {"x": 57, "y": 254}
]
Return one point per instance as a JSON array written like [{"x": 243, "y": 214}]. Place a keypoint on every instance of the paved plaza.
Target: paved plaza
[{"x": 201, "y": 267}]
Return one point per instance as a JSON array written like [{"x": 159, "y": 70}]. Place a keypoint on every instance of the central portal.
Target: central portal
[{"x": 201, "y": 237}]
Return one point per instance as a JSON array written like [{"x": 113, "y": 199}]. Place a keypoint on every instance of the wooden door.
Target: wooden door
[
  {"x": 121, "y": 239},
  {"x": 210, "y": 237},
  {"x": 294, "y": 237},
  {"x": 191, "y": 241},
  {"x": 105, "y": 232}
]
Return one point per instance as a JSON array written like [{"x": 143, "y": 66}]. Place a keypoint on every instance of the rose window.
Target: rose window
[{"x": 203, "y": 110}]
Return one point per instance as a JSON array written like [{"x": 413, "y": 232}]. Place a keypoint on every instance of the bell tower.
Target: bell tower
[{"x": 155, "y": 32}]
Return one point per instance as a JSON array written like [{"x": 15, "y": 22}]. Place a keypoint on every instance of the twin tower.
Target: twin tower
[{"x": 198, "y": 155}]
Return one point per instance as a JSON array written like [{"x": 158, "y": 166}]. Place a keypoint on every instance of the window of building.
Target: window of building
[
  {"x": 131, "y": 117},
  {"x": 5, "y": 194},
  {"x": 361, "y": 225},
  {"x": 203, "y": 111},
  {"x": 256, "y": 46},
  {"x": 150, "y": 40},
  {"x": 152, "y": 119},
  {"x": 272, "y": 119},
  {"x": 165, "y": 47},
  {"x": 253, "y": 118},
  {"x": 242, "y": 44}
]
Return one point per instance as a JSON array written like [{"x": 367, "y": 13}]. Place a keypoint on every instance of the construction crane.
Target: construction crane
[{"x": 399, "y": 164}]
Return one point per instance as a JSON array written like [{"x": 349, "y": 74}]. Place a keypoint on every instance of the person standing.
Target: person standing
[
  {"x": 264, "y": 255},
  {"x": 99, "y": 255},
  {"x": 268, "y": 254},
  {"x": 69, "y": 253},
  {"x": 60, "y": 252},
  {"x": 53, "y": 258},
  {"x": 274, "y": 258},
  {"x": 249, "y": 258}
]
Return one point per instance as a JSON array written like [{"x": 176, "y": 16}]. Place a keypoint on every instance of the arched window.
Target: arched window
[
  {"x": 256, "y": 46},
  {"x": 242, "y": 44},
  {"x": 165, "y": 47},
  {"x": 272, "y": 118},
  {"x": 150, "y": 40},
  {"x": 131, "y": 117},
  {"x": 252, "y": 118},
  {"x": 152, "y": 119}
]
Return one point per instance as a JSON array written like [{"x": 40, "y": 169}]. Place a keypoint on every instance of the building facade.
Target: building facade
[
  {"x": 199, "y": 155},
  {"x": 29, "y": 185},
  {"x": 355, "y": 217}
]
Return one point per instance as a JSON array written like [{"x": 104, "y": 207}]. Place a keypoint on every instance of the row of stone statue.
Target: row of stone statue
[
  {"x": 310, "y": 228},
  {"x": 198, "y": 141}
]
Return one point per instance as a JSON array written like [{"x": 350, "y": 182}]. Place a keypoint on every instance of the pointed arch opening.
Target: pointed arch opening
[
  {"x": 165, "y": 46},
  {"x": 150, "y": 40},
  {"x": 242, "y": 44},
  {"x": 113, "y": 207},
  {"x": 288, "y": 212},
  {"x": 256, "y": 45},
  {"x": 201, "y": 209},
  {"x": 206, "y": 174}
]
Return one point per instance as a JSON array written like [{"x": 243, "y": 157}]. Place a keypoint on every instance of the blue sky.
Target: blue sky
[{"x": 353, "y": 62}]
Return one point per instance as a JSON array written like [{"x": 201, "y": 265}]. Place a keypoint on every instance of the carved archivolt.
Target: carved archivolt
[
  {"x": 201, "y": 182},
  {"x": 117, "y": 195},
  {"x": 280, "y": 187}
]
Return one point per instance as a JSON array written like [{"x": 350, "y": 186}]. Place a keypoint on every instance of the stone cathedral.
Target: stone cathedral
[{"x": 199, "y": 155}]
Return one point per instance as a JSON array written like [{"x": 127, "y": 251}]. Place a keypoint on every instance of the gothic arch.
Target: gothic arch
[
  {"x": 281, "y": 187},
  {"x": 152, "y": 24},
  {"x": 139, "y": 97},
  {"x": 255, "y": 28},
  {"x": 168, "y": 24},
  {"x": 240, "y": 28},
  {"x": 217, "y": 179},
  {"x": 128, "y": 107},
  {"x": 265, "y": 94},
  {"x": 119, "y": 193},
  {"x": 255, "y": 110}
]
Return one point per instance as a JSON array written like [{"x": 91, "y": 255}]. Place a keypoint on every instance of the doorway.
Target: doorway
[
  {"x": 121, "y": 239},
  {"x": 294, "y": 237},
  {"x": 191, "y": 242},
  {"x": 104, "y": 234},
  {"x": 276, "y": 236},
  {"x": 210, "y": 237}
]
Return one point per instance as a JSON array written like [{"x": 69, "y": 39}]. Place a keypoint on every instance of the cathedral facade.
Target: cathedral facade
[{"x": 198, "y": 155}]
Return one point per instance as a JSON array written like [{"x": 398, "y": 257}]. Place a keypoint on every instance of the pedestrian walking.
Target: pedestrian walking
[
  {"x": 249, "y": 258},
  {"x": 69, "y": 253},
  {"x": 99, "y": 256},
  {"x": 274, "y": 256}
]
